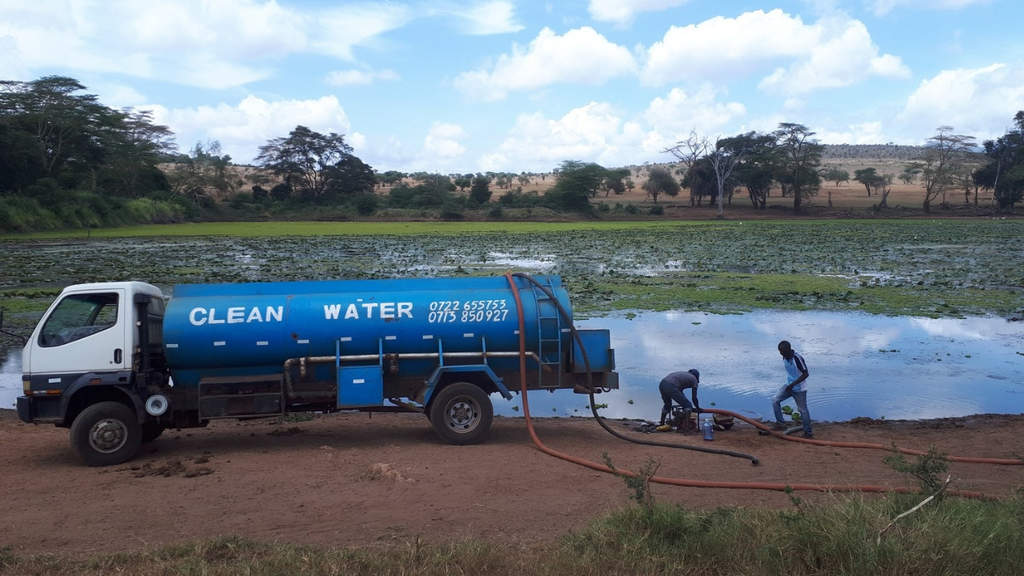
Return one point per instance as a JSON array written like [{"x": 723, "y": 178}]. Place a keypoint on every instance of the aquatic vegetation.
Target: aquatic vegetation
[{"x": 920, "y": 267}]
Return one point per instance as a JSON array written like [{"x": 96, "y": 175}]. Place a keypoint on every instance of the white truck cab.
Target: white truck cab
[{"x": 81, "y": 365}]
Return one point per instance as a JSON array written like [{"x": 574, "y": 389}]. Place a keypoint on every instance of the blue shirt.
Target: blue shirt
[{"x": 795, "y": 367}]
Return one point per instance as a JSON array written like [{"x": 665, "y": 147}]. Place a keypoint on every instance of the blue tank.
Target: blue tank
[{"x": 221, "y": 330}]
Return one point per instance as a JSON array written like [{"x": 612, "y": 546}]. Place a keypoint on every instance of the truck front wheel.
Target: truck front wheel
[
  {"x": 106, "y": 433},
  {"x": 461, "y": 413}
]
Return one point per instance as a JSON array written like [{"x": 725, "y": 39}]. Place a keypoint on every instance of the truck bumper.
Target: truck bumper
[
  {"x": 36, "y": 410},
  {"x": 25, "y": 408}
]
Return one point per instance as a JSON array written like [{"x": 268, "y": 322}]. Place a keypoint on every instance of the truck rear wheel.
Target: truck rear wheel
[
  {"x": 106, "y": 433},
  {"x": 461, "y": 413}
]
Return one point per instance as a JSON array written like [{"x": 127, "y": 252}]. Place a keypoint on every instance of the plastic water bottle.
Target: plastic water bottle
[{"x": 707, "y": 425}]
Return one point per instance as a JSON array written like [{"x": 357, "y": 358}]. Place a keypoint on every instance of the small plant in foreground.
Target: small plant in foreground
[
  {"x": 639, "y": 482},
  {"x": 926, "y": 468}
]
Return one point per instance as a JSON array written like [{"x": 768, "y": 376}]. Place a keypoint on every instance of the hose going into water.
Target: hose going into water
[
  {"x": 686, "y": 482},
  {"x": 590, "y": 384},
  {"x": 869, "y": 445}
]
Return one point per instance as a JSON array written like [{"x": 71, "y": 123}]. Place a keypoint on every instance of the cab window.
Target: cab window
[{"x": 78, "y": 316}]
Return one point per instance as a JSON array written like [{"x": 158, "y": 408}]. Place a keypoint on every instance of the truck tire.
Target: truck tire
[
  {"x": 106, "y": 433},
  {"x": 151, "y": 431},
  {"x": 461, "y": 413}
]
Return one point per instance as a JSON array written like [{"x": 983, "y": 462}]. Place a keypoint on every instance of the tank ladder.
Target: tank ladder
[{"x": 549, "y": 337}]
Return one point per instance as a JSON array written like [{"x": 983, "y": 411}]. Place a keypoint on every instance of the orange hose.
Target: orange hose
[
  {"x": 776, "y": 486},
  {"x": 868, "y": 445}
]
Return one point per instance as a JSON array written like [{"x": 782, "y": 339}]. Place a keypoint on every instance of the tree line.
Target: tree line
[{"x": 67, "y": 160}]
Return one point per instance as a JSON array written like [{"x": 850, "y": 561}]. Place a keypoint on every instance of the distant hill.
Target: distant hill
[{"x": 872, "y": 152}]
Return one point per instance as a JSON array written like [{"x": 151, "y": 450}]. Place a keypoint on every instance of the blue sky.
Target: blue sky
[{"x": 521, "y": 86}]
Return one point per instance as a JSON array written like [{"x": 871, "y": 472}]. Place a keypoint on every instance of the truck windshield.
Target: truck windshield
[{"x": 78, "y": 316}]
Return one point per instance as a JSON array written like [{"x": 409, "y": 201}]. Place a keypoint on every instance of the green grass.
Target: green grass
[
  {"x": 729, "y": 293},
  {"x": 838, "y": 535}
]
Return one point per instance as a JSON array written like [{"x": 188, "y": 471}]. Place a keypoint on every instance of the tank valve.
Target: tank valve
[{"x": 156, "y": 405}]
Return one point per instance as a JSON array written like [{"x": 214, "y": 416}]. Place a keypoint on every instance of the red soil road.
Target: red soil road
[{"x": 348, "y": 479}]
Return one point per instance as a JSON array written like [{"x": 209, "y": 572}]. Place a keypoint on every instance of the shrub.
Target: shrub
[
  {"x": 656, "y": 210},
  {"x": 365, "y": 203},
  {"x": 281, "y": 192}
]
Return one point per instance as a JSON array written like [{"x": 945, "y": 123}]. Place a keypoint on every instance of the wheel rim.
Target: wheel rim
[
  {"x": 108, "y": 435},
  {"x": 462, "y": 415}
]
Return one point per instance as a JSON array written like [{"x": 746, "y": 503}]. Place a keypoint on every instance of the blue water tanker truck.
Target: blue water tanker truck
[{"x": 117, "y": 363}]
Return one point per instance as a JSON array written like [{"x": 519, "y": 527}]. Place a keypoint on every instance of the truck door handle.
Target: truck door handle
[{"x": 117, "y": 355}]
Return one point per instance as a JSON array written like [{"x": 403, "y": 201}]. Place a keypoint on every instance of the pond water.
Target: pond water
[{"x": 860, "y": 364}]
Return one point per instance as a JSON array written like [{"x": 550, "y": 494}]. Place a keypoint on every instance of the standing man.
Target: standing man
[
  {"x": 671, "y": 388},
  {"x": 796, "y": 373}
]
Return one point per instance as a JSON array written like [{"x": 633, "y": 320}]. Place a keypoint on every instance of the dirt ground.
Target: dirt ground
[{"x": 349, "y": 479}]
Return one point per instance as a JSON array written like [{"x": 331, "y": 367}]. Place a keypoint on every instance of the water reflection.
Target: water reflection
[
  {"x": 860, "y": 364},
  {"x": 10, "y": 376}
]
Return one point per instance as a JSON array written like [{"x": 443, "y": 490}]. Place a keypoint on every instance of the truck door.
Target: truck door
[{"x": 84, "y": 332}]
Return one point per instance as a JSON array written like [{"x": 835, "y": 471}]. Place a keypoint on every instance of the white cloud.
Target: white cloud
[
  {"x": 337, "y": 30},
  {"x": 976, "y": 101},
  {"x": 11, "y": 60},
  {"x": 580, "y": 56},
  {"x": 241, "y": 129},
  {"x": 442, "y": 150},
  {"x": 194, "y": 42},
  {"x": 596, "y": 132},
  {"x": 116, "y": 95},
  {"x": 864, "y": 133},
  {"x": 883, "y": 7},
  {"x": 623, "y": 11},
  {"x": 358, "y": 77},
  {"x": 536, "y": 143},
  {"x": 842, "y": 54},
  {"x": 834, "y": 51},
  {"x": 673, "y": 117},
  {"x": 486, "y": 18},
  {"x": 443, "y": 141}
]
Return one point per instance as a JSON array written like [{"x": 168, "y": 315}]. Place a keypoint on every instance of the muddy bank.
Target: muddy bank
[{"x": 349, "y": 479}]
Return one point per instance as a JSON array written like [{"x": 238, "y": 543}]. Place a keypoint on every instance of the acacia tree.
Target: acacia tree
[
  {"x": 304, "y": 158},
  {"x": 576, "y": 182},
  {"x": 350, "y": 177},
  {"x": 196, "y": 174},
  {"x": 724, "y": 158},
  {"x": 50, "y": 129},
  {"x": 881, "y": 184},
  {"x": 700, "y": 179},
  {"x": 943, "y": 159},
  {"x": 688, "y": 152},
  {"x": 799, "y": 157},
  {"x": 614, "y": 182},
  {"x": 867, "y": 177},
  {"x": 480, "y": 192},
  {"x": 909, "y": 173},
  {"x": 756, "y": 169},
  {"x": 660, "y": 181},
  {"x": 836, "y": 175},
  {"x": 134, "y": 145},
  {"x": 1004, "y": 173}
]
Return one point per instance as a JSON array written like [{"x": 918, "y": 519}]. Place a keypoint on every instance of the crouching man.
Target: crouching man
[{"x": 671, "y": 388}]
